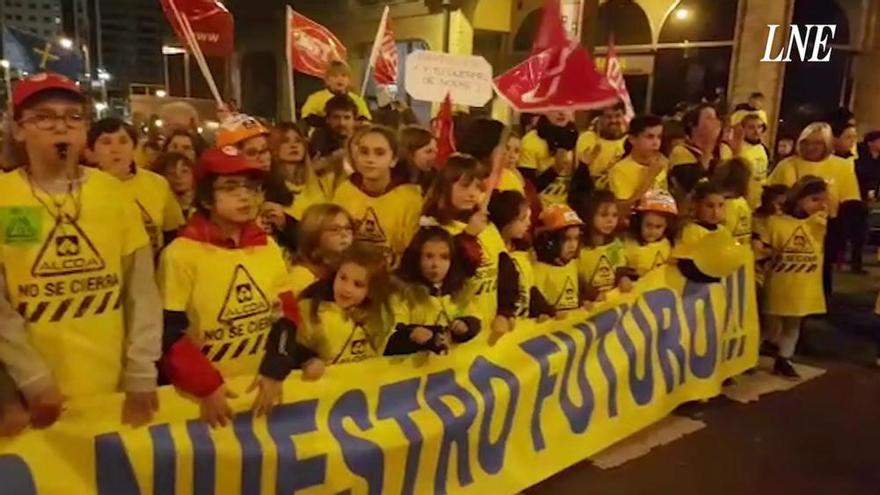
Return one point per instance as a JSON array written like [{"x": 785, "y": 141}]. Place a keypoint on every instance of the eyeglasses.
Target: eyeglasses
[
  {"x": 47, "y": 121},
  {"x": 253, "y": 187}
]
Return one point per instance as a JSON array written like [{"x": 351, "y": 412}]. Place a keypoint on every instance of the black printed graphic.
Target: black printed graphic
[
  {"x": 568, "y": 298},
  {"x": 799, "y": 242},
  {"x": 244, "y": 298},
  {"x": 66, "y": 251},
  {"x": 151, "y": 228},
  {"x": 603, "y": 275},
  {"x": 369, "y": 229},
  {"x": 659, "y": 260}
]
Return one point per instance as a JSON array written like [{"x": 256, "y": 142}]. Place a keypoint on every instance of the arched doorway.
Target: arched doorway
[
  {"x": 813, "y": 90},
  {"x": 627, "y": 22},
  {"x": 694, "y": 51}
]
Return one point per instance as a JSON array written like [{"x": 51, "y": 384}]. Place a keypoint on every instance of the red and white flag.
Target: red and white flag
[
  {"x": 614, "y": 74},
  {"x": 383, "y": 58},
  {"x": 311, "y": 46},
  {"x": 444, "y": 129},
  {"x": 212, "y": 24}
]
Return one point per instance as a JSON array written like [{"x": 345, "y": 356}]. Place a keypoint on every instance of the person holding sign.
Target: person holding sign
[
  {"x": 76, "y": 266},
  {"x": 338, "y": 82},
  {"x": 222, "y": 283}
]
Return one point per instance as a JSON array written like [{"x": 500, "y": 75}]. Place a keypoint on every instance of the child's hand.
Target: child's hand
[
  {"x": 215, "y": 408},
  {"x": 590, "y": 155},
  {"x": 421, "y": 335},
  {"x": 13, "y": 419},
  {"x": 500, "y": 326},
  {"x": 625, "y": 285},
  {"x": 458, "y": 327},
  {"x": 477, "y": 224},
  {"x": 139, "y": 407},
  {"x": 313, "y": 369},
  {"x": 268, "y": 394},
  {"x": 273, "y": 213},
  {"x": 45, "y": 406}
]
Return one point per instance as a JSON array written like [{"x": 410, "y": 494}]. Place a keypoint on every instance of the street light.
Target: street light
[
  {"x": 104, "y": 76},
  {"x": 65, "y": 43},
  {"x": 682, "y": 14},
  {"x": 161, "y": 93}
]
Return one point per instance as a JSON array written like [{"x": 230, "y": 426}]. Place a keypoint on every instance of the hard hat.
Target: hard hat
[
  {"x": 239, "y": 128},
  {"x": 657, "y": 201},
  {"x": 558, "y": 217}
]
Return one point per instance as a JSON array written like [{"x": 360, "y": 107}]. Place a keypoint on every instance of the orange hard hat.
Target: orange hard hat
[
  {"x": 558, "y": 217},
  {"x": 657, "y": 201},
  {"x": 239, "y": 128}
]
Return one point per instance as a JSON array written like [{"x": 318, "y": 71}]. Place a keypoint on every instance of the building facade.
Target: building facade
[{"x": 40, "y": 17}]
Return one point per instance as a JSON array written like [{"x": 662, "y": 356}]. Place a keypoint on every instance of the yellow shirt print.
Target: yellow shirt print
[
  {"x": 559, "y": 284},
  {"x": 738, "y": 219},
  {"x": 230, "y": 296},
  {"x": 557, "y": 192},
  {"x": 389, "y": 220},
  {"x": 484, "y": 285},
  {"x": 647, "y": 257},
  {"x": 64, "y": 275},
  {"x": 523, "y": 262},
  {"x": 158, "y": 206},
  {"x": 793, "y": 280},
  {"x": 597, "y": 267},
  {"x": 334, "y": 337}
]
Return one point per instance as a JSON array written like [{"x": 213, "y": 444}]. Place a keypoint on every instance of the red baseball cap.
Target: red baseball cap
[
  {"x": 226, "y": 160},
  {"x": 43, "y": 81}
]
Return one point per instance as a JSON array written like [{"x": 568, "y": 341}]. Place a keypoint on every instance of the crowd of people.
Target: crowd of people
[{"x": 128, "y": 264}]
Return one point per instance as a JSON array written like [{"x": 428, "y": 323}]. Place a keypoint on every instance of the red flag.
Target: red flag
[
  {"x": 614, "y": 74},
  {"x": 445, "y": 132},
  {"x": 386, "y": 63},
  {"x": 211, "y": 23},
  {"x": 558, "y": 75},
  {"x": 312, "y": 46}
]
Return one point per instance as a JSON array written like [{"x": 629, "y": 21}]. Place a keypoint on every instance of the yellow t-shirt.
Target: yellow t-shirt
[
  {"x": 610, "y": 152},
  {"x": 389, "y": 220},
  {"x": 682, "y": 155},
  {"x": 627, "y": 175},
  {"x": 334, "y": 337},
  {"x": 793, "y": 282},
  {"x": 230, "y": 296},
  {"x": 159, "y": 208},
  {"x": 559, "y": 284},
  {"x": 301, "y": 277},
  {"x": 597, "y": 267},
  {"x": 738, "y": 219},
  {"x": 483, "y": 286},
  {"x": 511, "y": 180},
  {"x": 418, "y": 307},
  {"x": 524, "y": 264},
  {"x": 647, "y": 257},
  {"x": 759, "y": 163},
  {"x": 316, "y": 102},
  {"x": 693, "y": 232},
  {"x": 837, "y": 172},
  {"x": 535, "y": 153},
  {"x": 316, "y": 190},
  {"x": 65, "y": 277},
  {"x": 557, "y": 192}
]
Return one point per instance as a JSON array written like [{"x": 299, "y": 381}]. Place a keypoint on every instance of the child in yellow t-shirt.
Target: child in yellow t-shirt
[
  {"x": 557, "y": 246},
  {"x": 733, "y": 178},
  {"x": 772, "y": 199},
  {"x": 548, "y": 158},
  {"x": 111, "y": 147},
  {"x": 510, "y": 213},
  {"x": 337, "y": 79},
  {"x": 602, "y": 257},
  {"x": 325, "y": 232},
  {"x": 651, "y": 232},
  {"x": 346, "y": 315},
  {"x": 431, "y": 309},
  {"x": 222, "y": 282},
  {"x": 709, "y": 212},
  {"x": 793, "y": 286}
]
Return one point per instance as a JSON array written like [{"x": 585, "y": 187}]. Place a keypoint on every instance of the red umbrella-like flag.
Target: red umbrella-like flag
[{"x": 558, "y": 75}]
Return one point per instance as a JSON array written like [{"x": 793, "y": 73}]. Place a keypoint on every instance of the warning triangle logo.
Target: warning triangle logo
[
  {"x": 357, "y": 348},
  {"x": 659, "y": 260},
  {"x": 743, "y": 227},
  {"x": 568, "y": 298},
  {"x": 150, "y": 226},
  {"x": 603, "y": 275},
  {"x": 244, "y": 298},
  {"x": 20, "y": 229},
  {"x": 369, "y": 229},
  {"x": 799, "y": 242},
  {"x": 66, "y": 251}
]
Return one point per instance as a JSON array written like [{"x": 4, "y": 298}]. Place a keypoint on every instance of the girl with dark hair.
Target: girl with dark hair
[
  {"x": 178, "y": 170},
  {"x": 652, "y": 230},
  {"x": 183, "y": 142},
  {"x": 601, "y": 261},
  {"x": 793, "y": 288},
  {"x": 557, "y": 246},
  {"x": 431, "y": 310},
  {"x": 418, "y": 154},
  {"x": 455, "y": 202},
  {"x": 734, "y": 178},
  {"x": 708, "y": 204}
]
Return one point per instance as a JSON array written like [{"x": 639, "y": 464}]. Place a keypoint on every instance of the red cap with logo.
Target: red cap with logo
[
  {"x": 43, "y": 81},
  {"x": 226, "y": 160}
]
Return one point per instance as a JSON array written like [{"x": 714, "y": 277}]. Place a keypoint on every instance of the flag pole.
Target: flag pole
[
  {"x": 374, "y": 53},
  {"x": 197, "y": 51},
  {"x": 288, "y": 57}
]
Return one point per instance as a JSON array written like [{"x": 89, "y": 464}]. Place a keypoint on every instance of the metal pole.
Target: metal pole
[
  {"x": 87, "y": 58},
  {"x": 167, "y": 76},
  {"x": 186, "y": 73},
  {"x": 7, "y": 78},
  {"x": 447, "y": 24}
]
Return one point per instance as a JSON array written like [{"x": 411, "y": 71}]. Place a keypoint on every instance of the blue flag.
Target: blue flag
[{"x": 31, "y": 53}]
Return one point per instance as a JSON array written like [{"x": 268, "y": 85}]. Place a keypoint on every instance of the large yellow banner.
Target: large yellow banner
[{"x": 480, "y": 420}]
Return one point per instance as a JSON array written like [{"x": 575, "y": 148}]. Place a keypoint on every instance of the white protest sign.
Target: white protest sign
[{"x": 431, "y": 75}]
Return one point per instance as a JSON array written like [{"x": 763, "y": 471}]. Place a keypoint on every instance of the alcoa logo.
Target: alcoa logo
[{"x": 817, "y": 37}]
